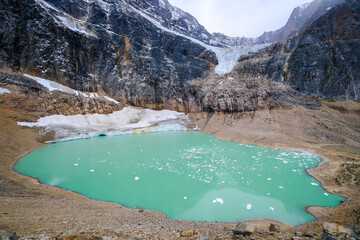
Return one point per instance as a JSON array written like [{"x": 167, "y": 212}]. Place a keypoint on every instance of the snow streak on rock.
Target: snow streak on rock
[{"x": 227, "y": 57}]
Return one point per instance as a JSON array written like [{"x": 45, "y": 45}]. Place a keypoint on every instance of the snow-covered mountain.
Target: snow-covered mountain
[
  {"x": 144, "y": 53},
  {"x": 182, "y": 22}
]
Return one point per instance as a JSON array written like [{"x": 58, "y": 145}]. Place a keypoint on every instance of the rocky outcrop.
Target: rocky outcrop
[
  {"x": 325, "y": 62},
  {"x": 301, "y": 17},
  {"x": 98, "y": 45},
  {"x": 243, "y": 229},
  {"x": 322, "y": 61}
]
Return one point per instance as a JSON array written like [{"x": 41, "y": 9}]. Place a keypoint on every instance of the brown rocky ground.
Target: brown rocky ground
[{"x": 34, "y": 210}]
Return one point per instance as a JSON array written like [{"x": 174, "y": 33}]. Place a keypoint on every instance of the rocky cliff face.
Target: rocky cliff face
[
  {"x": 101, "y": 45},
  {"x": 322, "y": 61},
  {"x": 182, "y": 22},
  {"x": 325, "y": 62},
  {"x": 148, "y": 54},
  {"x": 301, "y": 17}
]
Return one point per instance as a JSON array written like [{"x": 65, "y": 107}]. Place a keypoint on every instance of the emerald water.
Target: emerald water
[{"x": 186, "y": 175}]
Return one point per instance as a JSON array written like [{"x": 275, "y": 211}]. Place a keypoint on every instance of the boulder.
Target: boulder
[
  {"x": 243, "y": 229},
  {"x": 334, "y": 229},
  {"x": 274, "y": 228},
  {"x": 188, "y": 233}
]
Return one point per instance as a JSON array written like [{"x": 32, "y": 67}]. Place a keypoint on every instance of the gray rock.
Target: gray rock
[
  {"x": 8, "y": 235},
  {"x": 301, "y": 17},
  {"x": 243, "y": 229},
  {"x": 326, "y": 236},
  {"x": 309, "y": 234},
  {"x": 336, "y": 229},
  {"x": 274, "y": 228}
]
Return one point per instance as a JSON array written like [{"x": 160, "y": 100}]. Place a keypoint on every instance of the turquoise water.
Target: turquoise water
[{"x": 186, "y": 175}]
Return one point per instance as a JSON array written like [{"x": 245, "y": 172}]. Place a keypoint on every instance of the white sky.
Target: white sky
[{"x": 240, "y": 18}]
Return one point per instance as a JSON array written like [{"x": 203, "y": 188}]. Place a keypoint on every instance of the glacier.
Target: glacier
[{"x": 128, "y": 120}]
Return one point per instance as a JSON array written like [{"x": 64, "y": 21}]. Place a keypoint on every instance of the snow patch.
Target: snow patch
[
  {"x": 51, "y": 85},
  {"x": 54, "y": 86},
  {"x": 66, "y": 20},
  {"x": 73, "y": 24},
  {"x": 4, "y": 90},
  {"x": 126, "y": 121},
  {"x": 111, "y": 100}
]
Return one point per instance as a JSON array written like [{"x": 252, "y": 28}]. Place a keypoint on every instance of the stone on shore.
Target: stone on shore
[
  {"x": 243, "y": 229},
  {"x": 333, "y": 230},
  {"x": 274, "y": 228}
]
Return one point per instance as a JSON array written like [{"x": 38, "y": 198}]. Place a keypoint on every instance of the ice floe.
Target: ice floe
[{"x": 218, "y": 200}]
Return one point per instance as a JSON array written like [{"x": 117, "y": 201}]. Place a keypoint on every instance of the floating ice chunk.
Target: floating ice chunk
[
  {"x": 76, "y": 164},
  {"x": 218, "y": 200},
  {"x": 4, "y": 90},
  {"x": 185, "y": 197},
  {"x": 92, "y": 170},
  {"x": 269, "y": 179},
  {"x": 268, "y": 194},
  {"x": 249, "y": 206},
  {"x": 271, "y": 208},
  {"x": 285, "y": 161},
  {"x": 326, "y": 194},
  {"x": 314, "y": 184},
  {"x": 137, "y": 178},
  {"x": 281, "y": 187},
  {"x": 109, "y": 174}
]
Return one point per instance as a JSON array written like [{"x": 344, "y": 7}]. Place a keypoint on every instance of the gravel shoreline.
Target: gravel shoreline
[{"x": 32, "y": 209}]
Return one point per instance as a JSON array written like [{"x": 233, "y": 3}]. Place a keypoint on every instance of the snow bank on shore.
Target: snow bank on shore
[{"x": 128, "y": 120}]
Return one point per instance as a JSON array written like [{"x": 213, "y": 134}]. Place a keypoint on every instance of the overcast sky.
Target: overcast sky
[{"x": 240, "y": 18}]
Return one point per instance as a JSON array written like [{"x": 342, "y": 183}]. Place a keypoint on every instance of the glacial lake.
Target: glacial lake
[{"x": 184, "y": 174}]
